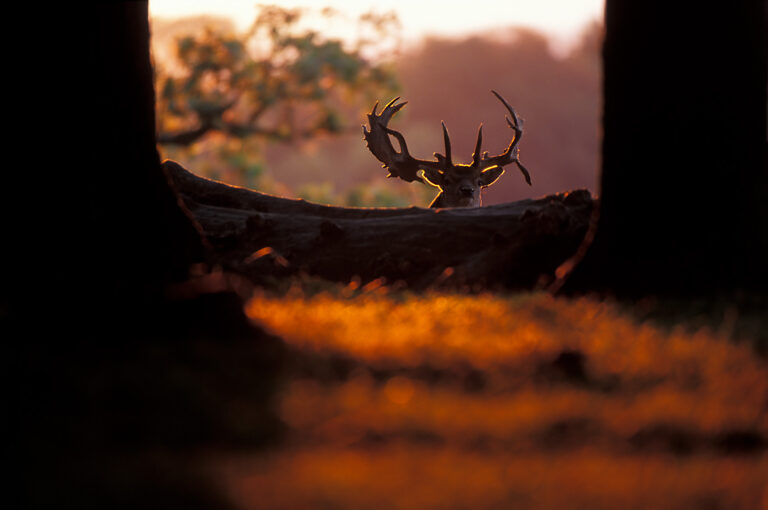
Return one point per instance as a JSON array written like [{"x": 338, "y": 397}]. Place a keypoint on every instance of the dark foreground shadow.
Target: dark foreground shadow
[{"x": 120, "y": 411}]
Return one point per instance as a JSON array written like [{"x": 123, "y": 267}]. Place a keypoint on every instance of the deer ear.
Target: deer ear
[
  {"x": 433, "y": 177},
  {"x": 490, "y": 175}
]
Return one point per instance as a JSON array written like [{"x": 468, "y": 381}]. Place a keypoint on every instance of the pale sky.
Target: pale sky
[{"x": 562, "y": 20}]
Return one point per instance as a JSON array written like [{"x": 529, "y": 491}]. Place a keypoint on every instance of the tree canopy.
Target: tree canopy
[{"x": 279, "y": 80}]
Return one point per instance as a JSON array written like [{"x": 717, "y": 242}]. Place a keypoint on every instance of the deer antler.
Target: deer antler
[
  {"x": 510, "y": 155},
  {"x": 460, "y": 185},
  {"x": 400, "y": 164}
]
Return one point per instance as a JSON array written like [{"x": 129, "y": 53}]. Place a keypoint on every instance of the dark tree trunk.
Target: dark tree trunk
[
  {"x": 105, "y": 226},
  {"x": 114, "y": 383},
  {"x": 684, "y": 189},
  {"x": 130, "y": 235}
]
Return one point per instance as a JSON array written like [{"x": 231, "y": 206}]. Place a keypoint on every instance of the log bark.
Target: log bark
[{"x": 266, "y": 238}]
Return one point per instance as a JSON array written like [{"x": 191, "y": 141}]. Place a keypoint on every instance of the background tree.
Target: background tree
[
  {"x": 684, "y": 186},
  {"x": 339, "y": 170},
  {"x": 278, "y": 81}
]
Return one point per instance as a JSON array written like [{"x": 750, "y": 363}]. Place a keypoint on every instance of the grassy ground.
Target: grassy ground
[{"x": 528, "y": 401}]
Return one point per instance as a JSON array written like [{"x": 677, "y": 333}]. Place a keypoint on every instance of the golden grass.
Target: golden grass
[{"x": 454, "y": 401}]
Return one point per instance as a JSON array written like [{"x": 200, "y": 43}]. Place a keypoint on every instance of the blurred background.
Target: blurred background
[{"x": 272, "y": 97}]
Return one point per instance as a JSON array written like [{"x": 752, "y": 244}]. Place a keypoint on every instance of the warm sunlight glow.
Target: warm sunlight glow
[
  {"x": 505, "y": 402},
  {"x": 562, "y": 20}
]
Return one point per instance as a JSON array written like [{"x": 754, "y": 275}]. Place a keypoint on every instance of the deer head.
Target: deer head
[{"x": 460, "y": 185}]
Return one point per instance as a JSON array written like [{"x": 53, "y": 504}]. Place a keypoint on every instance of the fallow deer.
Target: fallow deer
[{"x": 459, "y": 184}]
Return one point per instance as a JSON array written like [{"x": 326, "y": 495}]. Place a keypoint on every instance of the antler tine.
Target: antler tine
[
  {"x": 400, "y": 140},
  {"x": 524, "y": 171},
  {"x": 390, "y": 109},
  {"x": 478, "y": 145},
  {"x": 517, "y": 124},
  {"x": 400, "y": 164},
  {"x": 386, "y": 113},
  {"x": 509, "y": 156},
  {"x": 391, "y": 102},
  {"x": 447, "y": 139}
]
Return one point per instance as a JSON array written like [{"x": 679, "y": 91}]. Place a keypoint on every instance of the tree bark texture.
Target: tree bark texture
[{"x": 509, "y": 246}]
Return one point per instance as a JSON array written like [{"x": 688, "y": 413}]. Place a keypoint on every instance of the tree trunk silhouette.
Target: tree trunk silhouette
[
  {"x": 107, "y": 366},
  {"x": 684, "y": 187},
  {"x": 131, "y": 226}
]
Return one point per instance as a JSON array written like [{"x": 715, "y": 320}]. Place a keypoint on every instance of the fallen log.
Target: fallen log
[{"x": 265, "y": 238}]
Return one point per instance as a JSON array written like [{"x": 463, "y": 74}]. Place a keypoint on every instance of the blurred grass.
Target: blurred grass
[
  {"x": 520, "y": 401},
  {"x": 405, "y": 477}
]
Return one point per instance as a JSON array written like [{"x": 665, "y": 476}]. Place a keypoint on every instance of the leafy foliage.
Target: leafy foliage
[{"x": 278, "y": 81}]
